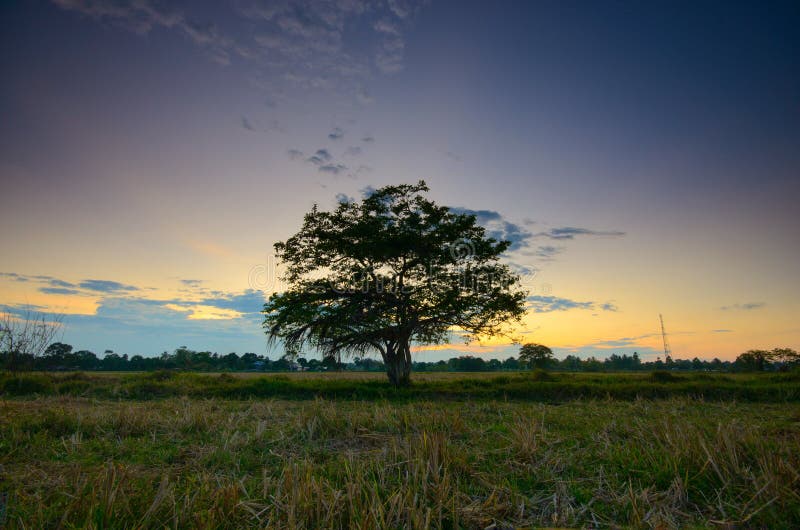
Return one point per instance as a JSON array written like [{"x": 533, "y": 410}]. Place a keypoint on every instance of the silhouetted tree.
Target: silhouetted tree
[
  {"x": 753, "y": 360},
  {"x": 25, "y": 336},
  {"x": 785, "y": 357},
  {"x": 536, "y": 355},
  {"x": 391, "y": 270}
]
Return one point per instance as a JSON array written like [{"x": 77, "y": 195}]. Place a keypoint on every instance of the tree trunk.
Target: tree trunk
[{"x": 398, "y": 364}]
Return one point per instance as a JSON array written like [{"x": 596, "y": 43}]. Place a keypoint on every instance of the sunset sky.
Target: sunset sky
[{"x": 643, "y": 157}]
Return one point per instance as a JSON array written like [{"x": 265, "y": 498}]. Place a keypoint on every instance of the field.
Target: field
[{"x": 454, "y": 451}]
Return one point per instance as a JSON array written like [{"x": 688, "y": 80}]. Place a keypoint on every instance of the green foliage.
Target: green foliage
[
  {"x": 537, "y": 356},
  {"x": 392, "y": 270},
  {"x": 662, "y": 376},
  {"x": 760, "y": 360},
  {"x": 27, "y": 384},
  {"x": 540, "y": 375}
]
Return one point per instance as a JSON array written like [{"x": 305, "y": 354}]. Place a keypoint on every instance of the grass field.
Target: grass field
[
  {"x": 454, "y": 451},
  {"x": 528, "y": 386}
]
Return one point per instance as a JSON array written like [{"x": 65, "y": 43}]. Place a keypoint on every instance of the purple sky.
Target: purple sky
[{"x": 645, "y": 159}]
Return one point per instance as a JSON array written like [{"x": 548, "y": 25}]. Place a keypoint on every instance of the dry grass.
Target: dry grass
[{"x": 71, "y": 462}]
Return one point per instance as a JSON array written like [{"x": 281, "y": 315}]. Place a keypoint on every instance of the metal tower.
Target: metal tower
[{"x": 667, "y": 350}]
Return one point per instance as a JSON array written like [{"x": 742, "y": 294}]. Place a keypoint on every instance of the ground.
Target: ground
[{"x": 76, "y": 460}]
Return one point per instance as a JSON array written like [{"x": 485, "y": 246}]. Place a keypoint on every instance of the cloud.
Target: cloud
[
  {"x": 389, "y": 62},
  {"x": 608, "y": 306},
  {"x": 324, "y": 161},
  {"x": 247, "y": 125},
  {"x": 142, "y": 16},
  {"x": 58, "y": 290},
  {"x": 549, "y": 304},
  {"x": 483, "y": 216},
  {"x": 547, "y": 252},
  {"x": 313, "y": 38},
  {"x": 320, "y": 157},
  {"x": 569, "y": 232},
  {"x": 722, "y": 331},
  {"x": 41, "y": 279},
  {"x": 247, "y": 302},
  {"x": 362, "y": 169},
  {"x": 290, "y": 46},
  {"x": 353, "y": 151},
  {"x": 385, "y": 26},
  {"x": 497, "y": 227},
  {"x": 59, "y": 283},
  {"x": 142, "y": 326},
  {"x": 750, "y": 306},
  {"x": 333, "y": 168},
  {"x": 364, "y": 97},
  {"x": 368, "y": 139},
  {"x": 367, "y": 191},
  {"x": 106, "y": 286},
  {"x": 206, "y": 319},
  {"x": 336, "y": 134},
  {"x": 14, "y": 276}
]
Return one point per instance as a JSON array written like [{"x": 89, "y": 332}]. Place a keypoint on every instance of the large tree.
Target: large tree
[{"x": 389, "y": 271}]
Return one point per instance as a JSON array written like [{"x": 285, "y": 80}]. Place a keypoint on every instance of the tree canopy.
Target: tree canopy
[
  {"x": 388, "y": 271},
  {"x": 536, "y": 355}
]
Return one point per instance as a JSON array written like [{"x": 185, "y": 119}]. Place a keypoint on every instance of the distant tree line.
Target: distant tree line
[{"x": 61, "y": 357}]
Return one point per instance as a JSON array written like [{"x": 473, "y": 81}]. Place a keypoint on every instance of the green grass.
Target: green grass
[
  {"x": 105, "y": 451},
  {"x": 536, "y": 386}
]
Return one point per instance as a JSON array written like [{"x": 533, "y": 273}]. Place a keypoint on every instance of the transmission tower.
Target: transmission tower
[{"x": 667, "y": 350}]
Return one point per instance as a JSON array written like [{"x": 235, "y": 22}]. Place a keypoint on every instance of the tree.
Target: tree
[
  {"x": 536, "y": 355},
  {"x": 26, "y": 335},
  {"x": 58, "y": 356},
  {"x": 753, "y": 360},
  {"x": 389, "y": 271},
  {"x": 785, "y": 357}
]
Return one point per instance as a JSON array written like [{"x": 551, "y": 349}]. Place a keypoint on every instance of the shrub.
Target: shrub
[{"x": 661, "y": 376}]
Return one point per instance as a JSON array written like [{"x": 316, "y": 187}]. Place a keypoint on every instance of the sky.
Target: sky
[{"x": 643, "y": 158}]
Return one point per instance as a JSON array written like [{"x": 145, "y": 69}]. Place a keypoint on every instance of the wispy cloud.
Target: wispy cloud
[
  {"x": 305, "y": 44},
  {"x": 142, "y": 16},
  {"x": 249, "y": 301},
  {"x": 608, "y": 306},
  {"x": 325, "y": 162},
  {"x": 58, "y": 290},
  {"x": 333, "y": 168},
  {"x": 547, "y": 252},
  {"x": 247, "y": 125},
  {"x": 549, "y": 304},
  {"x": 336, "y": 134},
  {"x": 106, "y": 286},
  {"x": 570, "y": 232},
  {"x": 14, "y": 276},
  {"x": 750, "y": 306},
  {"x": 320, "y": 157}
]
